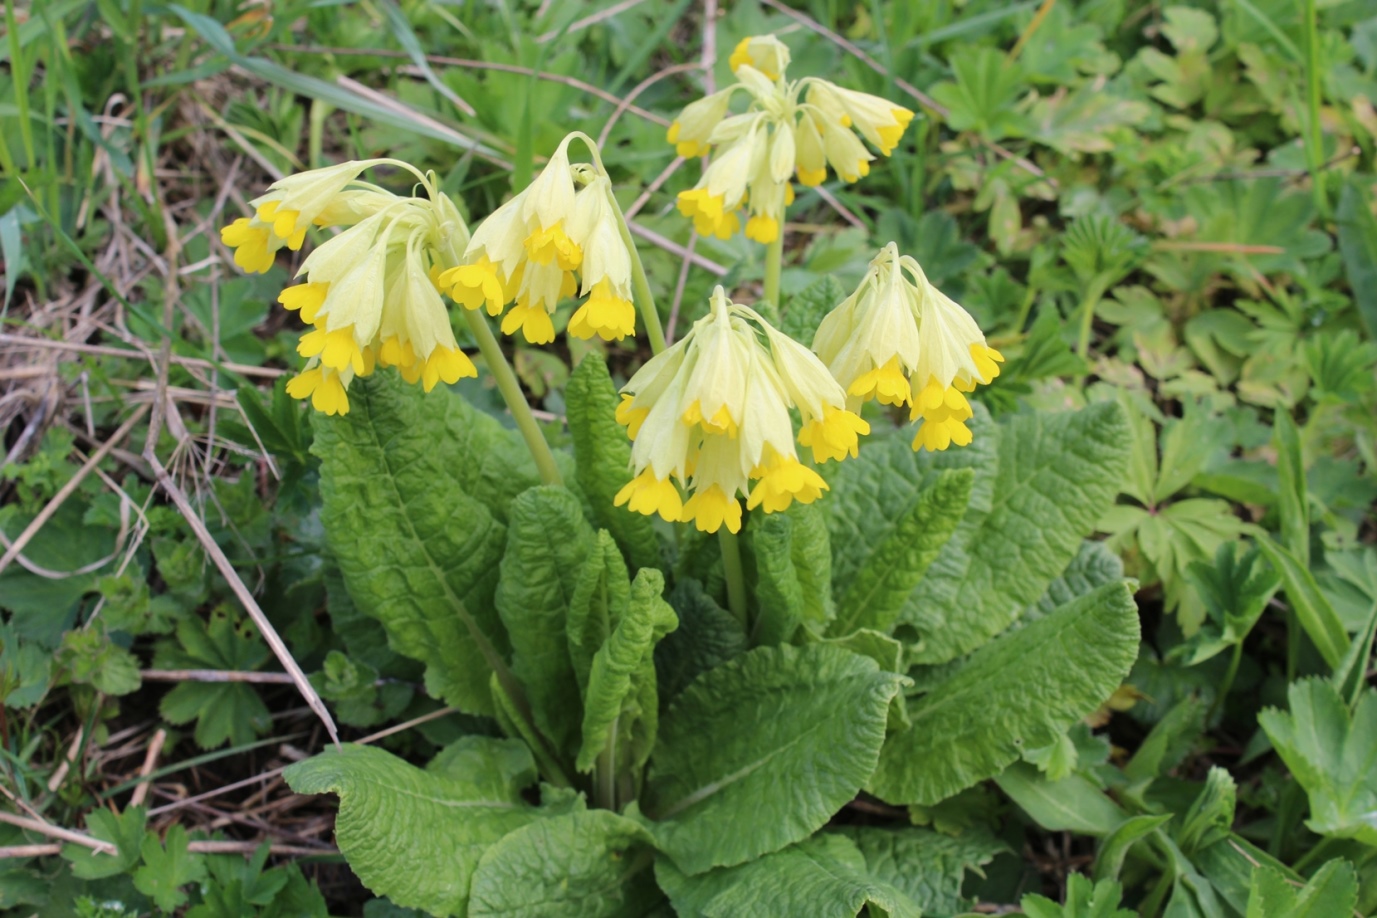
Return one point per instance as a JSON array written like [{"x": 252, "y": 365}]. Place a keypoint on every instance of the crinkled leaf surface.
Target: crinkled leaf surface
[
  {"x": 778, "y": 593},
  {"x": 1056, "y": 476},
  {"x": 419, "y": 552},
  {"x": 873, "y": 491},
  {"x": 603, "y": 456},
  {"x": 1332, "y": 891},
  {"x": 708, "y": 636},
  {"x": 1018, "y": 692},
  {"x": 1093, "y": 567},
  {"x": 824, "y": 875},
  {"x": 811, "y": 552},
  {"x": 880, "y": 588},
  {"x": 621, "y": 707},
  {"x": 498, "y": 767},
  {"x": 1332, "y": 755},
  {"x": 548, "y": 541},
  {"x": 601, "y": 596},
  {"x": 758, "y": 753},
  {"x": 803, "y": 311},
  {"x": 928, "y": 866},
  {"x": 411, "y": 835},
  {"x": 585, "y": 864}
]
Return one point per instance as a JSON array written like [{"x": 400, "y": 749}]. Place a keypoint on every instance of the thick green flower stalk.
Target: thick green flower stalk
[
  {"x": 369, "y": 292},
  {"x": 788, "y": 129},
  {"x": 901, "y": 341},
  {"x": 712, "y": 414},
  {"x": 558, "y": 237}
]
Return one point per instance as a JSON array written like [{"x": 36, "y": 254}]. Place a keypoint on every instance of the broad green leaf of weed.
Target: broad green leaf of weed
[
  {"x": 591, "y": 862},
  {"x": 1211, "y": 815},
  {"x": 1169, "y": 741},
  {"x": 1056, "y": 476},
  {"x": 1332, "y": 891},
  {"x": 167, "y": 867},
  {"x": 548, "y": 541},
  {"x": 1083, "y": 121},
  {"x": 929, "y": 867},
  {"x": 1330, "y": 752},
  {"x": 418, "y": 550},
  {"x": 984, "y": 94},
  {"x": 91, "y": 658},
  {"x": 1358, "y": 243},
  {"x": 25, "y": 669},
  {"x": 1235, "y": 590},
  {"x": 790, "y": 733},
  {"x": 1109, "y": 860},
  {"x": 825, "y": 875},
  {"x": 621, "y": 705},
  {"x": 1014, "y": 693},
  {"x": 124, "y": 830},
  {"x": 441, "y": 823},
  {"x": 223, "y": 711},
  {"x": 1084, "y": 899},
  {"x": 603, "y": 456},
  {"x": 1073, "y": 804}
]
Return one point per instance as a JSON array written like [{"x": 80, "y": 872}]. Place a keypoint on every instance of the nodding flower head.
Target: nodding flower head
[
  {"x": 369, "y": 294},
  {"x": 559, "y": 237},
  {"x": 710, "y": 416},
  {"x": 901, "y": 341},
  {"x": 788, "y": 130}
]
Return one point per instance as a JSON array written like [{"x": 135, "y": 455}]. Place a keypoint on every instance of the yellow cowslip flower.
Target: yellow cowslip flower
[
  {"x": 712, "y": 414},
  {"x": 765, "y": 53},
  {"x": 789, "y": 129},
  {"x": 535, "y": 249},
  {"x": 290, "y": 205},
  {"x": 901, "y": 341},
  {"x": 369, "y": 294}
]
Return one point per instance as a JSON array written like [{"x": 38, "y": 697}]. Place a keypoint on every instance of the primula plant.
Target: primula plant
[{"x": 681, "y": 711}]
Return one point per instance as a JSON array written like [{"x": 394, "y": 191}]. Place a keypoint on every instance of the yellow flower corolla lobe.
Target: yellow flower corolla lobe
[
  {"x": 710, "y": 414},
  {"x": 369, "y": 293},
  {"x": 789, "y": 129},
  {"x": 559, "y": 237},
  {"x": 901, "y": 341}
]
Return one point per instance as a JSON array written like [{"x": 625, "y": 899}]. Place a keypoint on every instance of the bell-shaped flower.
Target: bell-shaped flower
[
  {"x": 765, "y": 53},
  {"x": 321, "y": 197},
  {"x": 800, "y": 128},
  {"x": 711, "y": 414},
  {"x": 901, "y": 341},
  {"x": 534, "y": 250}
]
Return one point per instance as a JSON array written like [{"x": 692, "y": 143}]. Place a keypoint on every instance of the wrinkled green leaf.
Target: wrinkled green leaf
[
  {"x": 804, "y": 311},
  {"x": 778, "y": 593},
  {"x": 929, "y": 867},
  {"x": 621, "y": 706},
  {"x": 591, "y": 864},
  {"x": 600, "y": 600},
  {"x": 825, "y": 875},
  {"x": 411, "y": 835},
  {"x": 708, "y": 636},
  {"x": 1056, "y": 476},
  {"x": 603, "y": 456},
  {"x": 548, "y": 541},
  {"x": 787, "y": 733},
  {"x": 418, "y": 551},
  {"x": 1017, "y": 692}
]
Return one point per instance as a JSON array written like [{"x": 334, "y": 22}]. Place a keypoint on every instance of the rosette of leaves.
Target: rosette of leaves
[{"x": 659, "y": 753}]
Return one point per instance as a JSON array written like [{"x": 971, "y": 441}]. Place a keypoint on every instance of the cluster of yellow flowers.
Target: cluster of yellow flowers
[
  {"x": 901, "y": 341},
  {"x": 712, "y": 412},
  {"x": 789, "y": 128},
  {"x": 370, "y": 295},
  {"x": 529, "y": 249},
  {"x": 710, "y": 416}
]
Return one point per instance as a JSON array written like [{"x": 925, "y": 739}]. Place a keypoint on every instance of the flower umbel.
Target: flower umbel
[
  {"x": 369, "y": 294},
  {"x": 798, "y": 128},
  {"x": 712, "y": 414},
  {"x": 901, "y": 341},
  {"x": 559, "y": 237}
]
